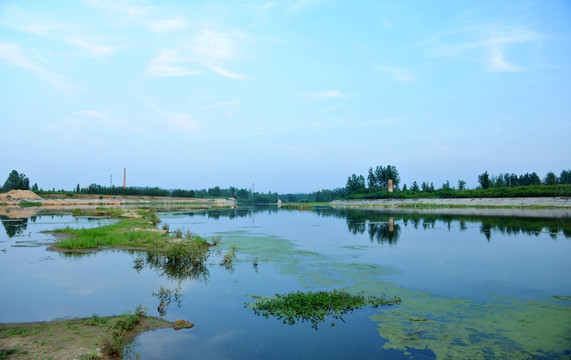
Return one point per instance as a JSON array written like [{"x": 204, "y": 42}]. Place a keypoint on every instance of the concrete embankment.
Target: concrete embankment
[
  {"x": 545, "y": 207},
  {"x": 562, "y": 202}
]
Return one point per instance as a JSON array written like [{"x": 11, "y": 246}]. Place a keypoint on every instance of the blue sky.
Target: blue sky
[{"x": 292, "y": 95}]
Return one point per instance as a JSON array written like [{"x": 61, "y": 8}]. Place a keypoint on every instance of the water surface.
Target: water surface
[{"x": 484, "y": 287}]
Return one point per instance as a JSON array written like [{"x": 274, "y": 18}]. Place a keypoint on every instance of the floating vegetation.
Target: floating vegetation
[{"x": 315, "y": 306}]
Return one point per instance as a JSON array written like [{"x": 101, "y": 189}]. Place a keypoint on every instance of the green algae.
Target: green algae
[
  {"x": 464, "y": 328},
  {"x": 449, "y": 327}
]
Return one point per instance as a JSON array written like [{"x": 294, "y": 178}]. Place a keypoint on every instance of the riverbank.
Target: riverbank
[
  {"x": 86, "y": 338},
  {"x": 527, "y": 202},
  {"x": 25, "y": 203}
]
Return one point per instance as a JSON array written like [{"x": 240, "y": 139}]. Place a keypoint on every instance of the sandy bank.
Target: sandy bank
[{"x": 12, "y": 201}]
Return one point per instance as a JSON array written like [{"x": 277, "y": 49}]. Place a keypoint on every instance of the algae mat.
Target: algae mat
[{"x": 448, "y": 327}]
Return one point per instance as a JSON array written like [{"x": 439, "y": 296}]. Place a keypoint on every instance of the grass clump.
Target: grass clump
[
  {"x": 316, "y": 306},
  {"x": 125, "y": 233}
]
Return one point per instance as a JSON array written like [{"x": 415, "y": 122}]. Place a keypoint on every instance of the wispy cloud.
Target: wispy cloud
[
  {"x": 211, "y": 46},
  {"x": 329, "y": 94},
  {"x": 485, "y": 43},
  {"x": 15, "y": 56},
  {"x": 227, "y": 73},
  {"x": 90, "y": 49},
  {"x": 165, "y": 25},
  {"x": 221, "y": 104},
  {"x": 396, "y": 73},
  {"x": 301, "y": 4},
  {"x": 168, "y": 63},
  {"x": 182, "y": 121}
]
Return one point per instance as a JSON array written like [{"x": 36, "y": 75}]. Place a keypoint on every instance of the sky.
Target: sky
[{"x": 287, "y": 96}]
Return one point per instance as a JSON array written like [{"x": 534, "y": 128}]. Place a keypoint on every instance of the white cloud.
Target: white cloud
[
  {"x": 89, "y": 48},
  {"x": 90, "y": 113},
  {"x": 497, "y": 63},
  {"x": 330, "y": 94},
  {"x": 227, "y": 73},
  {"x": 397, "y": 73},
  {"x": 179, "y": 120},
  {"x": 485, "y": 43},
  {"x": 211, "y": 46},
  {"x": 13, "y": 55},
  {"x": 167, "y": 63},
  {"x": 300, "y": 4},
  {"x": 221, "y": 104},
  {"x": 165, "y": 25}
]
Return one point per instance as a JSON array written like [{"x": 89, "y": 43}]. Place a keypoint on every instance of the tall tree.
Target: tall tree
[
  {"x": 16, "y": 181},
  {"x": 550, "y": 179},
  {"x": 371, "y": 180},
  {"x": 565, "y": 177},
  {"x": 484, "y": 180},
  {"x": 355, "y": 184}
]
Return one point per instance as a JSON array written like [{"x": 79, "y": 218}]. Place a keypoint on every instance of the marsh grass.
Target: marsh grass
[
  {"x": 121, "y": 234},
  {"x": 316, "y": 306}
]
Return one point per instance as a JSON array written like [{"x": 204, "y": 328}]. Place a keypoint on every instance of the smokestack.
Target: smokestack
[
  {"x": 390, "y": 185},
  {"x": 124, "y": 178}
]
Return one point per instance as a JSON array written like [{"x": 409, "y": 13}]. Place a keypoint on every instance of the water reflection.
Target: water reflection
[
  {"x": 385, "y": 226},
  {"x": 241, "y": 212},
  {"x": 15, "y": 227},
  {"x": 184, "y": 269}
]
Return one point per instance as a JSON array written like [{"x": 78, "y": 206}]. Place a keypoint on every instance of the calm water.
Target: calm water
[{"x": 471, "y": 287}]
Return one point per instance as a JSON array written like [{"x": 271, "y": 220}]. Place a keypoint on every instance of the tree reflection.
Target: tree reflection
[
  {"x": 185, "y": 269},
  {"x": 378, "y": 223},
  {"x": 15, "y": 227}
]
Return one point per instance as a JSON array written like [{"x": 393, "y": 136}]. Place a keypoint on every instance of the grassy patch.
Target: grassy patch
[
  {"x": 315, "y": 306},
  {"x": 30, "y": 204},
  {"x": 125, "y": 233}
]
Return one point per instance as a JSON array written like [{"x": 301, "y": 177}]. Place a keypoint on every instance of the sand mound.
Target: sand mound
[{"x": 22, "y": 195}]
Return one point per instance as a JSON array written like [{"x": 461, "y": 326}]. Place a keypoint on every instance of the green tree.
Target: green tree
[
  {"x": 565, "y": 177},
  {"x": 414, "y": 186},
  {"x": 550, "y": 179},
  {"x": 355, "y": 184},
  {"x": 371, "y": 180},
  {"x": 484, "y": 180},
  {"x": 461, "y": 185},
  {"x": 446, "y": 186},
  {"x": 16, "y": 181}
]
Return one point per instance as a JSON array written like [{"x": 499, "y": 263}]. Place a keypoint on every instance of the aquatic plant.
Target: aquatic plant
[
  {"x": 166, "y": 296},
  {"x": 316, "y": 306},
  {"x": 229, "y": 256}
]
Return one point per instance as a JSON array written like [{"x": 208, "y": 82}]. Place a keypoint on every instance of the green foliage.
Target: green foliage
[
  {"x": 119, "y": 234},
  {"x": 30, "y": 204},
  {"x": 484, "y": 180},
  {"x": 77, "y": 212},
  {"x": 16, "y": 181},
  {"x": 120, "y": 326},
  {"x": 229, "y": 256},
  {"x": 315, "y": 306}
]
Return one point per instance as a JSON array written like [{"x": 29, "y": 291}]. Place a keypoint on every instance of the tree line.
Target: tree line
[{"x": 375, "y": 185}]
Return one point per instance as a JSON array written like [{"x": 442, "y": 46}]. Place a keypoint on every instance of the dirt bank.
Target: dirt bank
[
  {"x": 88, "y": 338},
  {"x": 27, "y": 202}
]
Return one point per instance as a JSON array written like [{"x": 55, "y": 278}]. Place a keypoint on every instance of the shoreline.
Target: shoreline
[{"x": 521, "y": 202}]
